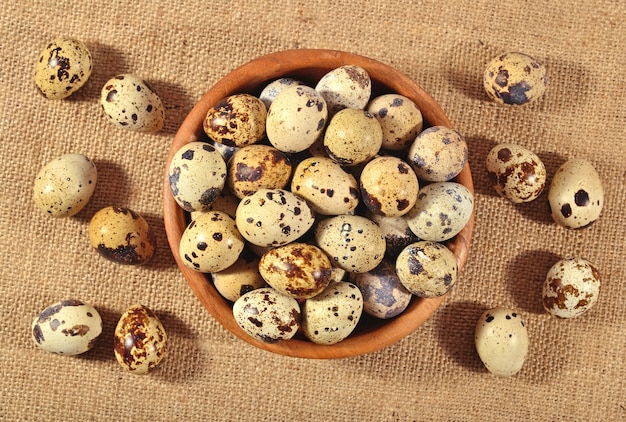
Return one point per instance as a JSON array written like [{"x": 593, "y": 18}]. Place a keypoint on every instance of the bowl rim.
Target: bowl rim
[{"x": 249, "y": 77}]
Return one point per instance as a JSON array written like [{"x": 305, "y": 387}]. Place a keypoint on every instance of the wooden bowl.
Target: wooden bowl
[{"x": 308, "y": 66}]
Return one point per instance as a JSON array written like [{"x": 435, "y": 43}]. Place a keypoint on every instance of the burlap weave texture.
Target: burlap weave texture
[{"x": 575, "y": 369}]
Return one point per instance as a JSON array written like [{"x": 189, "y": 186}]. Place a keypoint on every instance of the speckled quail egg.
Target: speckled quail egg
[
  {"x": 299, "y": 270},
  {"x": 130, "y": 102},
  {"x": 571, "y": 288},
  {"x": 273, "y": 217},
  {"x": 62, "y": 68},
  {"x": 240, "y": 278},
  {"x": 197, "y": 174},
  {"x": 267, "y": 315},
  {"x": 271, "y": 90},
  {"x": 441, "y": 211},
  {"x": 325, "y": 185},
  {"x": 332, "y": 315},
  {"x": 296, "y": 118},
  {"x": 353, "y": 136},
  {"x": 396, "y": 231},
  {"x": 140, "y": 340},
  {"x": 211, "y": 242},
  {"x": 237, "y": 120},
  {"x": 515, "y": 78},
  {"x": 576, "y": 195},
  {"x": 257, "y": 166},
  {"x": 64, "y": 185},
  {"x": 400, "y": 119},
  {"x": 353, "y": 242},
  {"x": 501, "y": 340},
  {"x": 347, "y": 86},
  {"x": 388, "y": 186},
  {"x": 69, "y": 327},
  {"x": 121, "y": 235},
  {"x": 438, "y": 154},
  {"x": 516, "y": 173},
  {"x": 427, "y": 269},
  {"x": 384, "y": 296}
]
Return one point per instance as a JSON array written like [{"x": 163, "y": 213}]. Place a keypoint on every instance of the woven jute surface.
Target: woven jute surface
[{"x": 575, "y": 368}]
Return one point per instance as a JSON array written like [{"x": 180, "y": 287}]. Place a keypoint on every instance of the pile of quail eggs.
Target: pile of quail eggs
[
  {"x": 312, "y": 204},
  {"x": 64, "y": 186},
  {"x": 575, "y": 197}
]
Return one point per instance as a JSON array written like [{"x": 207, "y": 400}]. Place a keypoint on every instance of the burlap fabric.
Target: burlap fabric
[{"x": 575, "y": 369}]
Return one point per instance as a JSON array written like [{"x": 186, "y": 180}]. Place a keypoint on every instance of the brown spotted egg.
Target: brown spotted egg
[
  {"x": 576, "y": 195},
  {"x": 388, "y": 186},
  {"x": 296, "y": 118},
  {"x": 64, "y": 185},
  {"x": 267, "y": 315},
  {"x": 140, "y": 340},
  {"x": 384, "y": 296},
  {"x": 353, "y": 137},
  {"x": 273, "y": 217},
  {"x": 299, "y": 270},
  {"x": 347, "y": 86},
  {"x": 211, "y": 242},
  {"x": 69, "y": 327},
  {"x": 257, "y": 166},
  {"x": 354, "y": 243},
  {"x": 129, "y": 102},
  {"x": 332, "y": 315},
  {"x": 62, "y": 68},
  {"x": 197, "y": 174},
  {"x": 515, "y": 78},
  {"x": 516, "y": 173},
  {"x": 326, "y": 186},
  {"x": 121, "y": 235},
  {"x": 400, "y": 119},
  {"x": 427, "y": 269},
  {"x": 438, "y": 154},
  {"x": 501, "y": 340},
  {"x": 441, "y": 211},
  {"x": 240, "y": 278},
  {"x": 571, "y": 288},
  {"x": 237, "y": 120}
]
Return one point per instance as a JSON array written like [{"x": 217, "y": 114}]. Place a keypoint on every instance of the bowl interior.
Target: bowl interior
[{"x": 308, "y": 66}]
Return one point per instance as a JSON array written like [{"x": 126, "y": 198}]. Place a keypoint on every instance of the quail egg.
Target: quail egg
[
  {"x": 62, "y": 68},
  {"x": 438, "y": 154},
  {"x": 353, "y": 137},
  {"x": 400, "y": 119},
  {"x": 347, "y": 86},
  {"x": 571, "y": 288},
  {"x": 427, "y": 269},
  {"x": 515, "y": 78},
  {"x": 257, "y": 166},
  {"x": 237, "y": 120},
  {"x": 240, "y": 278}
]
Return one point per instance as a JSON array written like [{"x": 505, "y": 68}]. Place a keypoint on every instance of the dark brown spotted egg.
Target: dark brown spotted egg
[
  {"x": 427, "y": 269},
  {"x": 347, "y": 86},
  {"x": 211, "y": 242},
  {"x": 267, "y": 315},
  {"x": 299, "y": 270},
  {"x": 62, "y": 68},
  {"x": 571, "y": 288},
  {"x": 122, "y": 236},
  {"x": 130, "y": 103},
  {"x": 257, "y": 166},
  {"x": 273, "y": 217},
  {"x": 353, "y": 136},
  {"x": 69, "y": 327},
  {"x": 332, "y": 315},
  {"x": 400, "y": 119},
  {"x": 197, "y": 175},
  {"x": 326, "y": 186},
  {"x": 140, "y": 340},
  {"x": 576, "y": 195},
  {"x": 516, "y": 173},
  {"x": 388, "y": 186},
  {"x": 515, "y": 78},
  {"x": 438, "y": 154},
  {"x": 237, "y": 120}
]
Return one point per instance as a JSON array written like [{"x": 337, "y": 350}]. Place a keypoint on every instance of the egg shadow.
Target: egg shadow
[
  {"x": 525, "y": 275},
  {"x": 538, "y": 210},
  {"x": 570, "y": 85},
  {"x": 163, "y": 257},
  {"x": 466, "y": 75},
  {"x": 177, "y": 104},
  {"x": 107, "y": 62},
  {"x": 102, "y": 350},
  {"x": 456, "y": 322},
  {"x": 184, "y": 359},
  {"x": 478, "y": 148}
]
